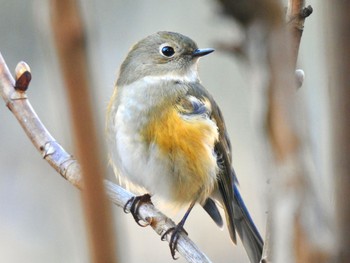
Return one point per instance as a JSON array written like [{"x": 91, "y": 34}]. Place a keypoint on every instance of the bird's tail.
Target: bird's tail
[{"x": 241, "y": 222}]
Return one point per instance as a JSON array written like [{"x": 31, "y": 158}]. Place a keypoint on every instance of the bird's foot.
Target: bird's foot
[
  {"x": 175, "y": 234},
  {"x": 136, "y": 202}
]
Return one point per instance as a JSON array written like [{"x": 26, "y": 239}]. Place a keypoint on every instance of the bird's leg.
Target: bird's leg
[
  {"x": 136, "y": 202},
  {"x": 175, "y": 231}
]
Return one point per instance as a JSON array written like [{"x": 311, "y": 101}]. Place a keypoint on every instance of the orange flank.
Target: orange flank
[{"x": 190, "y": 143}]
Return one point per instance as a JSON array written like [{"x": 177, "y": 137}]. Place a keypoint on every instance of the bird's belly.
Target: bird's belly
[{"x": 169, "y": 156}]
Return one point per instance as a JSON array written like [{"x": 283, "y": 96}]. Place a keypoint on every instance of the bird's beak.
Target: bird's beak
[{"x": 202, "y": 52}]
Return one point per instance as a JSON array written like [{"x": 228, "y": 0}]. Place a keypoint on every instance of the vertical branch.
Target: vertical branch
[
  {"x": 70, "y": 42},
  {"x": 295, "y": 202},
  {"x": 296, "y": 14},
  {"x": 285, "y": 145},
  {"x": 340, "y": 95},
  {"x": 295, "y": 24},
  {"x": 283, "y": 55}
]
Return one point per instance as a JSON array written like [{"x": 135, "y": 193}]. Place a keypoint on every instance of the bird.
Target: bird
[{"x": 167, "y": 137}]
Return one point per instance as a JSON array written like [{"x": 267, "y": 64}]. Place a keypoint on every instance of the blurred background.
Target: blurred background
[{"x": 41, "y": 218}]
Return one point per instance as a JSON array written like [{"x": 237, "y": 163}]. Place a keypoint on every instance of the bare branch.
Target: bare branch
[
  {"x": 50, "y": 150},
  {"x": 296, "y": 14},
  {"x": 68, "y": 167},
  {"x": 295, "y": 201}
]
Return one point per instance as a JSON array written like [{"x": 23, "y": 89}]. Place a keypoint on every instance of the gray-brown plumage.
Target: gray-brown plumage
[{"x": 168, "y": 136}]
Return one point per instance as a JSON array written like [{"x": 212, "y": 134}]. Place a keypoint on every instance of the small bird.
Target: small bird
[{"x": 167, "y": 136}]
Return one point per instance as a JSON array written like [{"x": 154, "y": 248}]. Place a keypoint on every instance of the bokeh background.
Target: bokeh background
[{"x": 41, "y": 218}]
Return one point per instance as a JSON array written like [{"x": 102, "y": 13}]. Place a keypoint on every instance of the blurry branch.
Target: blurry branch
[
  {"x": 68, "y": 31},
  {"x": 246, "y": 12},
  {"x": 16, "y": 100},
  {"x": 283, "y": 54},
  {"x": 295, "y": 201},
  {"x": 272, "y": 48},
  {"x": 249, "y": 14},
  {"x": 339, "y": 68}
]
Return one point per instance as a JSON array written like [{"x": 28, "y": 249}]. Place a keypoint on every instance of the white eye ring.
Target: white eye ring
[{"x": 166, "y": 50}]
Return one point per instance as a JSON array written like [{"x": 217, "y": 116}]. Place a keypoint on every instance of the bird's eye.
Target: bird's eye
[{"x": 167, "y": 51}]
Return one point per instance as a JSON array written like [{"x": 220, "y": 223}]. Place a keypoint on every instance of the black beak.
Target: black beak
[{"x": 202, "y": 52}]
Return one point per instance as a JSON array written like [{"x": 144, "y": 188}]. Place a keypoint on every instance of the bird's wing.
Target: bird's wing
[{"x": 237, "y": 216}]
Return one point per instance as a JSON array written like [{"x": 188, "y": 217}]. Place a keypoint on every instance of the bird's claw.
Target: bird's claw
[
  {"x": 136, "y": 202},
  {"x": 175, "y": 234}
]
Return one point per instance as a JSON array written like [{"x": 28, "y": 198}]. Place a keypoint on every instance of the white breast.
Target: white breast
[
  {"x": 139, "y": 164},
  {"x": 133, "y": 159}
]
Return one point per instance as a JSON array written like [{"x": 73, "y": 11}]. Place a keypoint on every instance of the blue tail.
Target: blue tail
[{"x": 246, "y": 229}]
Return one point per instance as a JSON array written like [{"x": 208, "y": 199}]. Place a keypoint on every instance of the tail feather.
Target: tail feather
[
  {"x": 246, "y": 229},
  {"x": 211, "y": 208},
  {"x": 237, "y": 215},
  {"x": 238, "y": 220}
]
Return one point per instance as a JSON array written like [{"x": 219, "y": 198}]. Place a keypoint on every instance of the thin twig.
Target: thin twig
[
  {"x": 296, "y": 14},
  {"x": 68, "y": 167}
]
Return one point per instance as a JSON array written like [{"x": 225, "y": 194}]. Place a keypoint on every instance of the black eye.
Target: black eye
[{"x": 168, "y": 51}]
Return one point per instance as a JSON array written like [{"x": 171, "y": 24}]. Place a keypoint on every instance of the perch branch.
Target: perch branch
[{"x": 65, "y": 164}]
